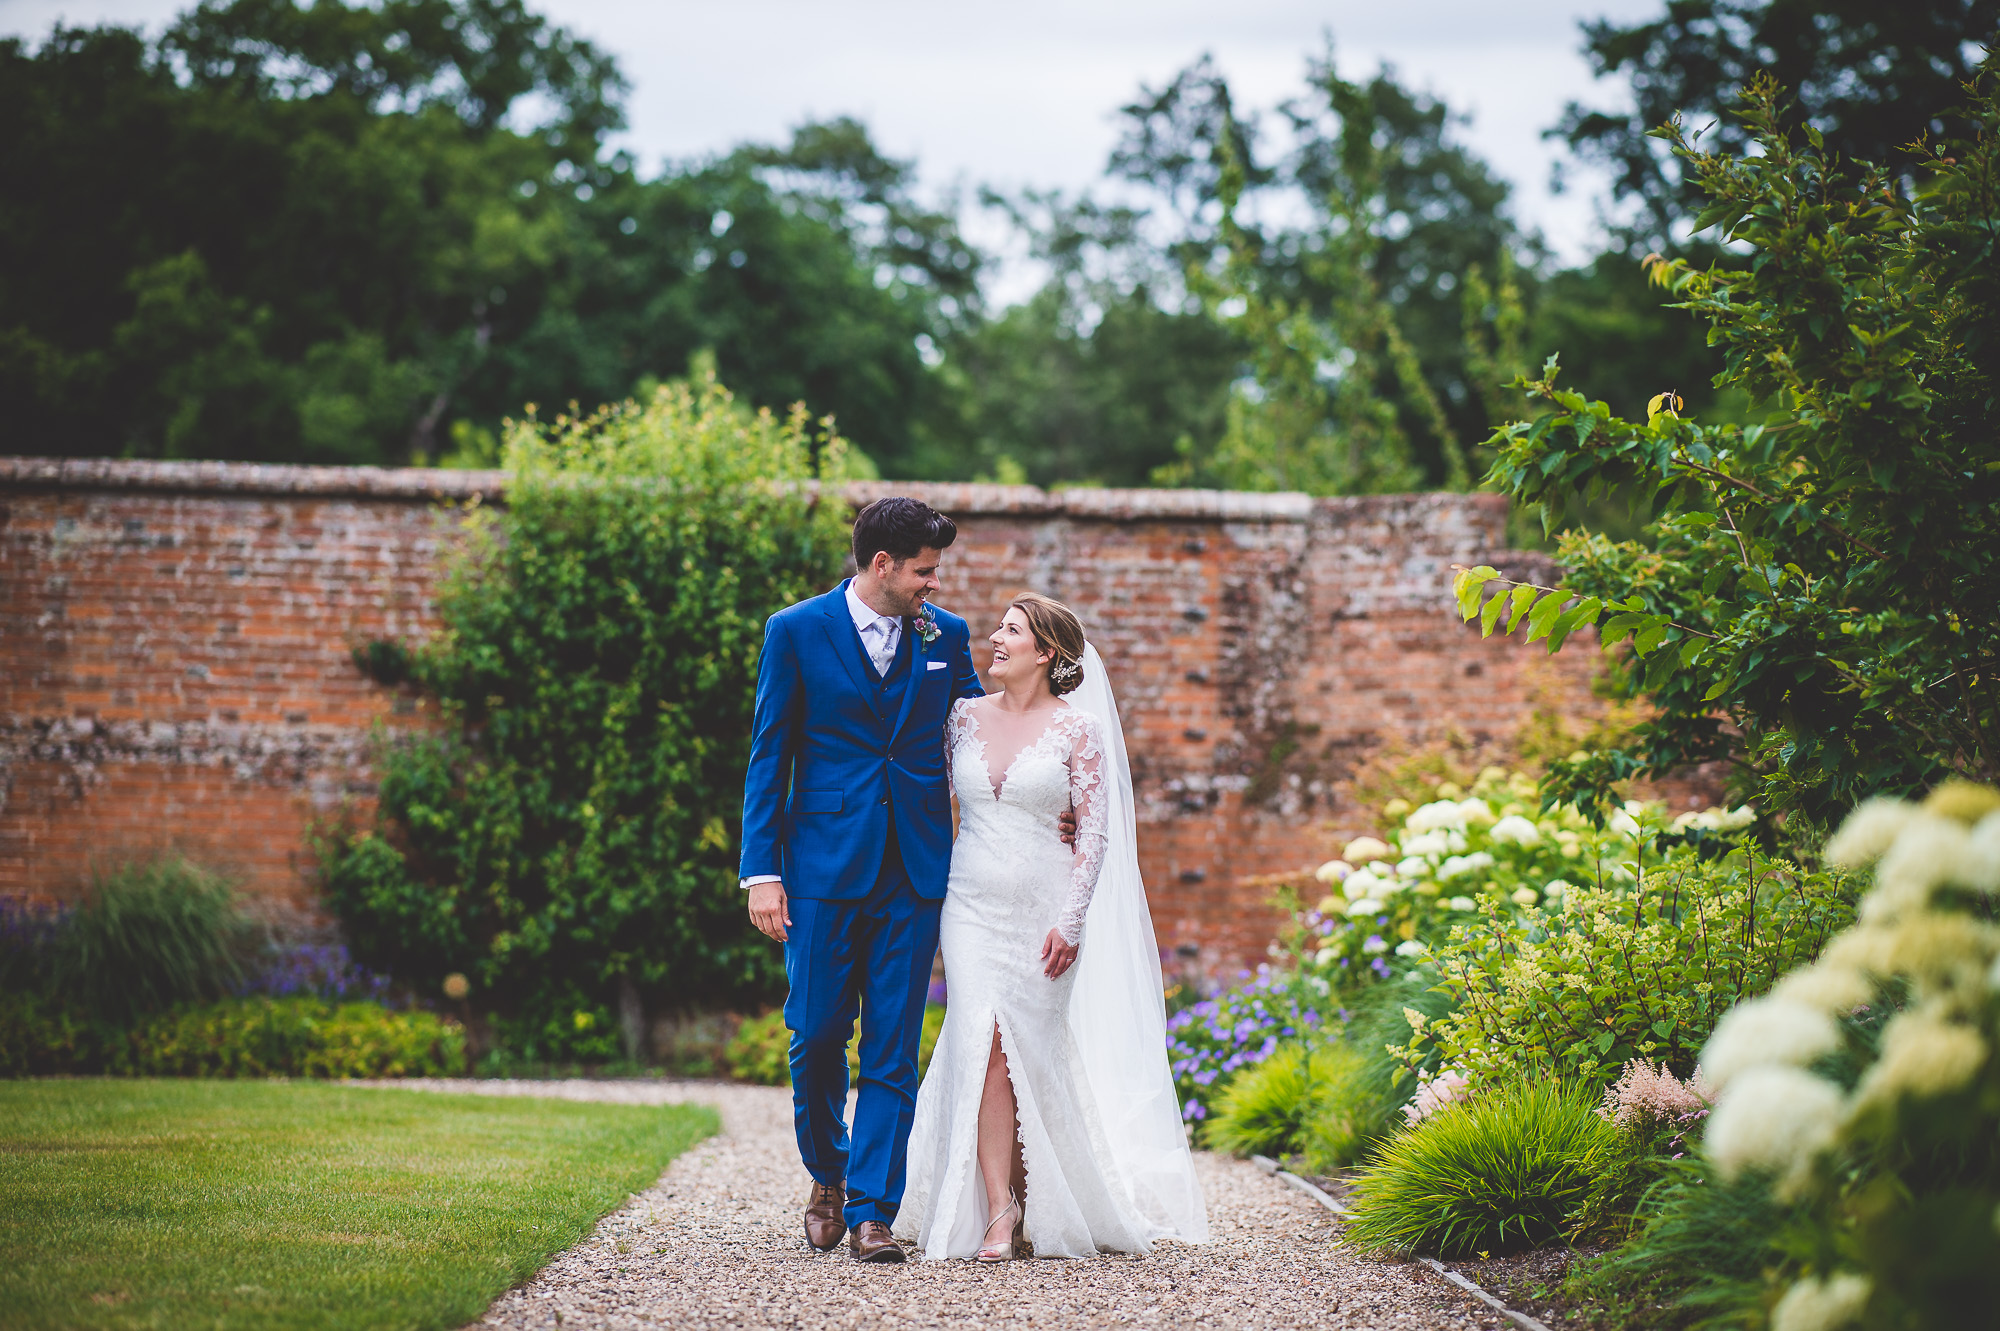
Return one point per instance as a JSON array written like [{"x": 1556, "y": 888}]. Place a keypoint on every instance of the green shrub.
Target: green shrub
[
  {"x": 571, "y": 830},
  {"x": 761, "y": 1049},
  {"x": 1884, "y": 1136},
  {"x": 40, "y": 1037},
  {"x": 1504, "y": 1169},
  {"x": 1354, "y": 1110},
  {"x": 1701, "y": 1252},
  {"x": 292, "y": 1037},
  {"x": 146, "y": 938},
  {"x": 1263, "y": 1112},
  {"x": 1643, "y": 971}
]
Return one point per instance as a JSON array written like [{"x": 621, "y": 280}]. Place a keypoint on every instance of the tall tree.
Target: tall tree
[
  {"x": 1868, "y": 76},
  {"x": 1354, "y": 316}
]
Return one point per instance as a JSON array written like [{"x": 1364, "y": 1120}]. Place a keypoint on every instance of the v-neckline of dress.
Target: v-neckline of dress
[{"x": 986, "y": 767}]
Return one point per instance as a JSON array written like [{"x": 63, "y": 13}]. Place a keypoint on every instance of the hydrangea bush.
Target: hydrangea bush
[
  {"x": 1465, "y": 857},
  {"x": 1886, "y": 1137}
]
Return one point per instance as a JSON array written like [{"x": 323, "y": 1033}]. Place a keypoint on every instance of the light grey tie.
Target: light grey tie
[{"x": 881, "y": 637}]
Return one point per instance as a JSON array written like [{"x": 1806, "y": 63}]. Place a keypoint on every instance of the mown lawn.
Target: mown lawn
[{"x": 287, "y": 1204}]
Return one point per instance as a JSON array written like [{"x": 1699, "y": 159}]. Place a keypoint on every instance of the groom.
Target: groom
[{"x": 846, "y": 847}]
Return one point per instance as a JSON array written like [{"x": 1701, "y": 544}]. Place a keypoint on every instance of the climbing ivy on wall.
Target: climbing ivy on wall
[{"x": 566, "y": 840}]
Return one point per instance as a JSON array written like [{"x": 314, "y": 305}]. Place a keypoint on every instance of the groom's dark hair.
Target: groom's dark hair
[{"x": 902, "y": 526}]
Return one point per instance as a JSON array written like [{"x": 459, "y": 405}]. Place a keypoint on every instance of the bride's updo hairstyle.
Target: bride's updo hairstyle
[{"x": 1058, "y": 631}]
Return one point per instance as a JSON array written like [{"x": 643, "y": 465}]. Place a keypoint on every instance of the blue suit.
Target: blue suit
[{"x": 848, "y": 800}]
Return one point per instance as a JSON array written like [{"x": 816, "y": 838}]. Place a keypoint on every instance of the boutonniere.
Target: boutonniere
[{"x": 925, "y": 622}]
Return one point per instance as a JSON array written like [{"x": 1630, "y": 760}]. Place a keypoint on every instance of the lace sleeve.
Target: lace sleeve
[
  {"x": 958, "y": 724},
  {"x": 1086, "y": 796}
]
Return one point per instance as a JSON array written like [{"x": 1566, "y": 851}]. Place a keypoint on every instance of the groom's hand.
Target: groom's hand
[
  {"x": 768, "y": 910},
  {"x": 1066, "y": 824}
]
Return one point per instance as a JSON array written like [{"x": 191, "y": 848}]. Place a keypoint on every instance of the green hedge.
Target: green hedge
[{"x": 242, "y": 1037}]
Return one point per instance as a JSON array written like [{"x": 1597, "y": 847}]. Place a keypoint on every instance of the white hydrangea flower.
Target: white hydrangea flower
[
  {"x": 1868, "y": 832},
  {"x": 1922, "y": 1057},
  {"x": 1323, "y": 956},
  {"x": 1555, "y": 887},
  {"x": 1413, "y": 866},
  {"x": 1333, "y": 871},
  {"x": 1766, "y": 1031},
  {"x": 1475, "y": 812},
  {"x": 1428, "y": 843},
  {"x": 1410, "y": 947},
  {"x": 1622, "y": 823},
  {"x": 1437, "y": 815},
  {"x": 1822, "y": 1305},
  {"x": 1516, "y": 830},
  {"x": 1774, "y": 1118},
  {"x": 1831, "y": 989},
  {"x": 1462, "y": 864},
  {"x": 1525, "y": 896},
  {"x": 1982, "y": 855},
  {"x": 1359, "y": 884},
  {"x": 1929, "y": 852},
  {"x": 1362, "y": 849},
  {"x": 1364, "y": 906},
  {"x": 1462, "y": 903},
  {"x": 1374, "y": 947}
]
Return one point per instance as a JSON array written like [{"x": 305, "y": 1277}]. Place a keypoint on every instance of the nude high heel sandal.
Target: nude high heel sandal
[{"x": 1002, "y": 1252}]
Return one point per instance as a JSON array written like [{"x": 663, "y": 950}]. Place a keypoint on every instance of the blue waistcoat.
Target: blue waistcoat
[{"x": 840, "y": 754}]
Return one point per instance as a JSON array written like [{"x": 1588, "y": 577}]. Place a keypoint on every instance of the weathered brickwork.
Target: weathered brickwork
[{"x": 175, "y": 663}]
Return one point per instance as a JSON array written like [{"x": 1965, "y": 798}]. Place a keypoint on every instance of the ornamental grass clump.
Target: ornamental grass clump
[
  {"x": 1501, "y": 1170},
  {"x": 1886, "y": 1135}
]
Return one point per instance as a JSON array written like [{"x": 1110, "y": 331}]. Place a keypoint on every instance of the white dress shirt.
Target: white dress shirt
[{"x": 881, "y": 635}]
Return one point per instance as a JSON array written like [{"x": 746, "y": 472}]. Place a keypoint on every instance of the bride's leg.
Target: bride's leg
[{"x": 999, "y": 1135}]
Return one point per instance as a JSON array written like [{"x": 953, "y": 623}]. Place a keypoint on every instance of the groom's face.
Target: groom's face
[{"x": 908, "y": 584}]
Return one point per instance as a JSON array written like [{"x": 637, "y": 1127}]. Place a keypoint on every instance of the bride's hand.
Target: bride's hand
[{"x": 1057, "y": 956}]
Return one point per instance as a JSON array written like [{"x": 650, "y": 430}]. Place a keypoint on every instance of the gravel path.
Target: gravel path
[{"x": 716, "y": 1243}]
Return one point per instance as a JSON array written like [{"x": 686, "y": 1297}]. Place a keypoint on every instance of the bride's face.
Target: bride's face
[{"x": 1015, "y": 656}]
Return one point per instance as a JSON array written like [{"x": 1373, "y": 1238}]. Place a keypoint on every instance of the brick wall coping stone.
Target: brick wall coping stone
[{"x": 428, "y": 485}]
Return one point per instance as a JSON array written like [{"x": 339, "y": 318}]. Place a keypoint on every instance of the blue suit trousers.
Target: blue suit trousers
[{"x": 873, "y": 955}]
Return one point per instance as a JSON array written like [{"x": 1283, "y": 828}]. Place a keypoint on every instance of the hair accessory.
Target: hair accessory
[{"x": 1062, "y": 672}]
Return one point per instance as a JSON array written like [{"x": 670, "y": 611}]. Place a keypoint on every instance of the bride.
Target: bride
[{"x": 1048, "y": 1115}]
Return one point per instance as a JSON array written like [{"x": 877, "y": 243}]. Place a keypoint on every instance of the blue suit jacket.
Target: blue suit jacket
[{"x": 828, "y": 775}]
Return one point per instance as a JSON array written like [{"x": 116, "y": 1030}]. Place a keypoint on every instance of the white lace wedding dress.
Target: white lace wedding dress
[{"x": 1012, "y": 880}]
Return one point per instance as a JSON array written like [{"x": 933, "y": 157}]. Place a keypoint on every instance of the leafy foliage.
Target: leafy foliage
[
  {"x": 565, "y": 839},
  {"x": 299, "y": 1036},
  {"x": 760, "y": 1052},
  {"x": 1208, "y": 1042},
  {"x": 1264, "y": 1109},
  {"x": 1502, "y": 1170},
  {"x": 357, "y": 233},
  {"x": 1885, "y": 1137},
  {"x": 146, "y": 937},
  {"x": 1868, "y": 77},
  {"x": 1642, "y": 968},
  {"x": 1816, "y": 594}
]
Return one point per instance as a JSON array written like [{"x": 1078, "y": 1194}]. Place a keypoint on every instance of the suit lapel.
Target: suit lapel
[
  {"x": 912, "y": 684},
  {"x": 846, "y": 643}
]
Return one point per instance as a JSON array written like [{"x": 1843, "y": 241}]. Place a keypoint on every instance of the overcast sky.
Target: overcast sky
[{"x": 1028, "y": 94}]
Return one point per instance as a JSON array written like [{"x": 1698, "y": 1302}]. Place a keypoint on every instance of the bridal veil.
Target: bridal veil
[{"x": 1118, "y": 1010}]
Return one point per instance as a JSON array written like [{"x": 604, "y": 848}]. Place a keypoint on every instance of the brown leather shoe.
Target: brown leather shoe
[
  {"x": 824, "y": 1224},
  {"x": 872, "y": 1242}
]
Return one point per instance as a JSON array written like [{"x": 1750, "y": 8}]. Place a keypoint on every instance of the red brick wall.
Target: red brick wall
[{"x": 175, "y": 670}]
